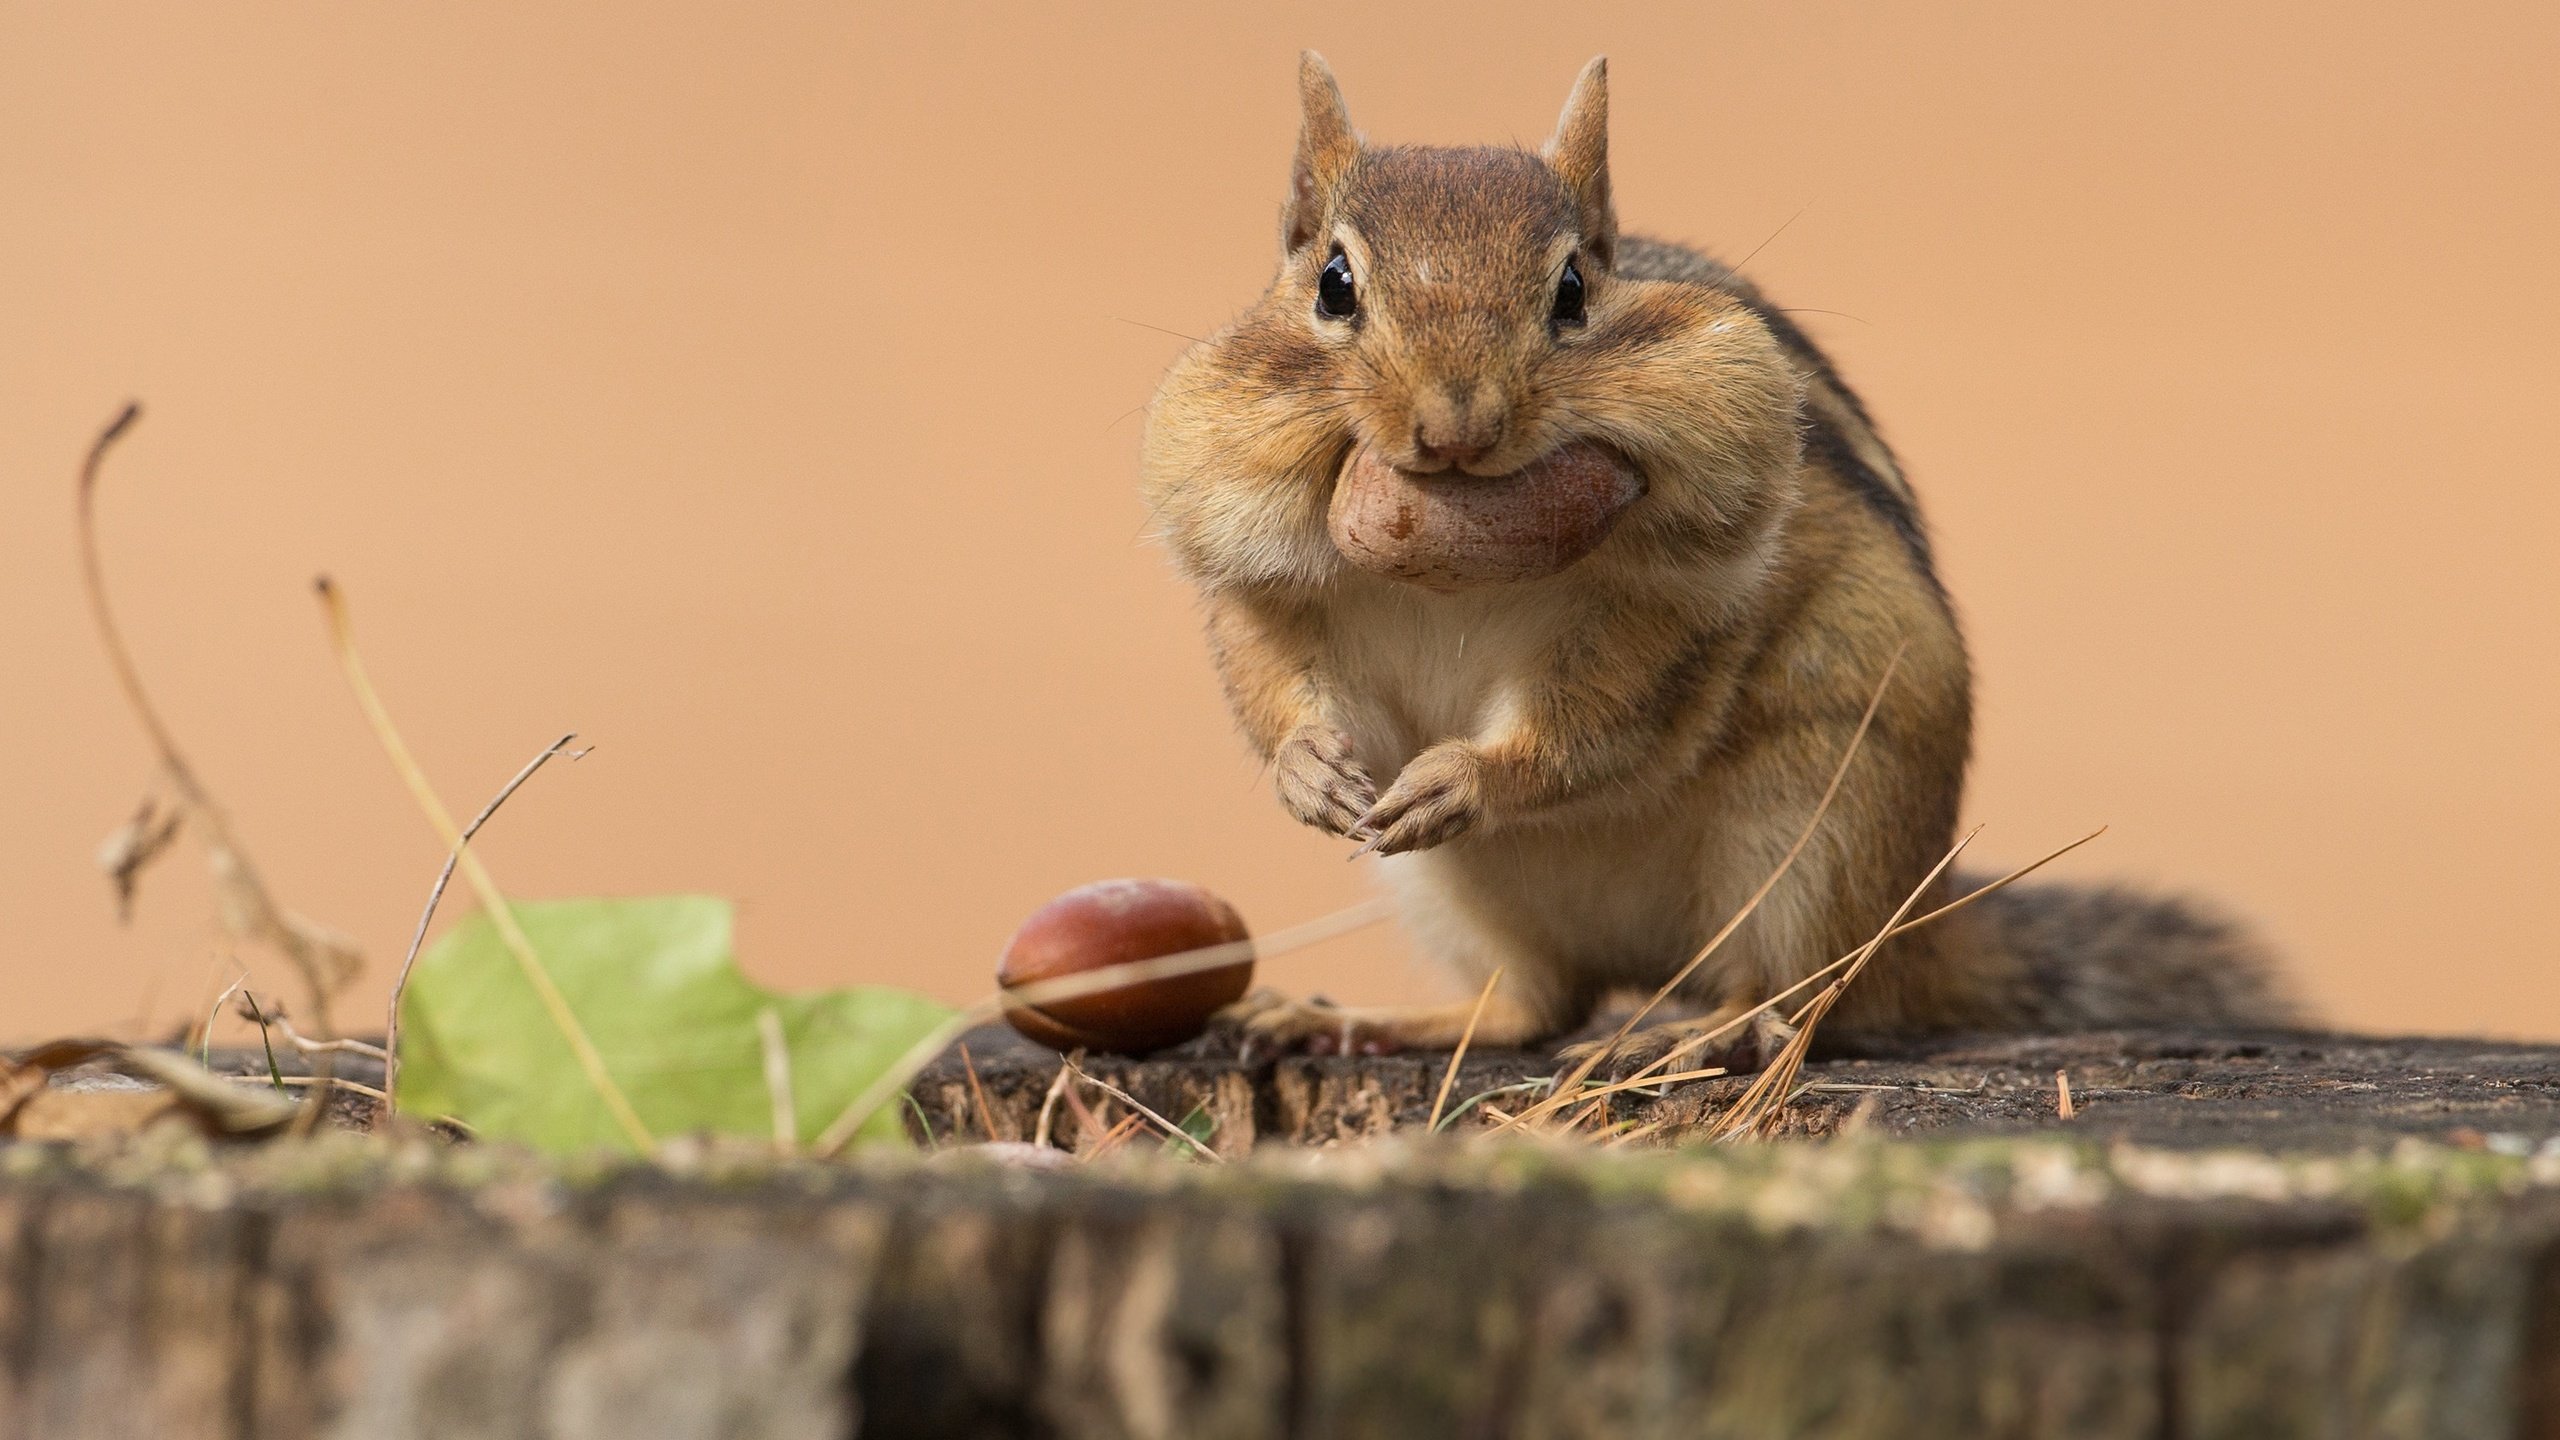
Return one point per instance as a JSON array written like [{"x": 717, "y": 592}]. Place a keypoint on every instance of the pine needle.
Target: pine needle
[
  {"x": 1769, "y": 1091},
  {"x": 1449, "y": 1076}
]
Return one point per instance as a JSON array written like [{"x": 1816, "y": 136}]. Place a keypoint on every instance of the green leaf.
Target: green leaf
[
  {"x": 654, "y": 983},
  {"x": 1200, "y": 1125}
]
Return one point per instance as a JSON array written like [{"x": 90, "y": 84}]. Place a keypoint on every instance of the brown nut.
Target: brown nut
[
  {"x": 1452, "y": 530},
  {"x": 1112, "y": 922}
]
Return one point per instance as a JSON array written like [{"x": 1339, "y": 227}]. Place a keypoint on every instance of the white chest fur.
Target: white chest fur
[{"x": 1415, "y": 667}]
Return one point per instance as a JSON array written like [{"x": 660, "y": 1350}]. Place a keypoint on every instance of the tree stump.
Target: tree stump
[{"x": 2258, "y": 1237}]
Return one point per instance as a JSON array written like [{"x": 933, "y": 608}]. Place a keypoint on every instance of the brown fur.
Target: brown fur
[{"x": 1579, "y": 777}]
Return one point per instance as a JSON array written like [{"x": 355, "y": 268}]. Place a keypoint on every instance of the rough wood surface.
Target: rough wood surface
[
  {"x": 1862, "y": 1288},
  {"x": 2288, "y": 1091},
  {"x": 2261, "y": 1237}
]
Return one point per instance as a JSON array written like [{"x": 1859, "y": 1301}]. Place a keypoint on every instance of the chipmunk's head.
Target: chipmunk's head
[
  {"x": 1442, "y": 316},
  {"x": 1443, "y": 284}
]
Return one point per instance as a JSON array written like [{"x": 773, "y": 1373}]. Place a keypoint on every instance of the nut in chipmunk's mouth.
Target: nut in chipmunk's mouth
[{"x": 1453, "y": 531}]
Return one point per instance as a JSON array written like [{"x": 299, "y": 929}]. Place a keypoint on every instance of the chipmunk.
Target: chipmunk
[{"x": 1577, "y": 777}]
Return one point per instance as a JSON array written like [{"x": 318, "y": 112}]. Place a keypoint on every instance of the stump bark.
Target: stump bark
[{"x": 2202, "y": 1263}]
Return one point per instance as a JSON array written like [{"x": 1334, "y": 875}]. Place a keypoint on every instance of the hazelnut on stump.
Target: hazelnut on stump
[{"x": 1114, "y": 922}]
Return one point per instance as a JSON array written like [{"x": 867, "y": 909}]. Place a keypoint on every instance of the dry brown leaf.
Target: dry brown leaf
[
  {"x": 177, "y": 1085},
  {"x": 52, "y": 1114},
  {"x": 135, "y": 844}
]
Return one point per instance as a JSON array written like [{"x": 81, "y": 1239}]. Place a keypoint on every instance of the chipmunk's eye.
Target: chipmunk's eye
[
  {"x": 1336, "y": 299},
  {"x": 1568, "y": 309}
]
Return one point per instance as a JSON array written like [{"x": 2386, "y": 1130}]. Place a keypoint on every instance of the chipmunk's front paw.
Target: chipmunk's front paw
[
  {"x": 1319, "y": 782},
  {"x": 1439, "y": 795},
  {"x": 1712, "y": 1041},
  {"x": 1275, "y": 1025}
]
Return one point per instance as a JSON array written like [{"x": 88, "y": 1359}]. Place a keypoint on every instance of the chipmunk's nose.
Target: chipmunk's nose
[{"x": 1456, "y": 425}]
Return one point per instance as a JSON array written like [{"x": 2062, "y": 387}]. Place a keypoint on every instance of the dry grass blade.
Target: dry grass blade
[
  {"x": 1049, "y": 1103},
  {"x": 1696, "y": 1043},
  {"x": 1759, "y": 1106},
  {"x": 324, "y": 959},
  {"x": 1595, "y": 1100},
  {"x": 1857, "y": 738},
  {"x": 1171, "y": 1130},
  {"x": 2062, "y": 1094},
  {"x": 1641, "y": 1132},
  {"x": 978, "y": 1093},
  {"x": 893, "y": 1081},
  {"x": 502, "y": 917},
  {"x": 435, "y": 897},
  {"x": 1480, "y": 1097},
  {"x": 777, "y": 1080},
  {"x": 266, "y": 1041},
  {"x": 1601, "y": 1094},
  {"x": 204, "y": 1038},
  {"x": 1449, "y": 1076}
]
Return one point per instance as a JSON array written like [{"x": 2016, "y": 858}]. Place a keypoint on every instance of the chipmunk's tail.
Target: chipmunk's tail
[{"x": 2099, "y": 957}]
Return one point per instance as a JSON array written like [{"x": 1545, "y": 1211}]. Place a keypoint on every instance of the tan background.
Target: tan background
[{"x": 752, "y": 388}]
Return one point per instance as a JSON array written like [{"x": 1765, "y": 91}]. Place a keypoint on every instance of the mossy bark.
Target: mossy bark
[{"x": 1849, "y": 1291}]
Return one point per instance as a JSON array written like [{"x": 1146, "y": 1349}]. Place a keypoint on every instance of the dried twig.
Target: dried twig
[
  {"x": 324, "y": 959},
  {"x": 502, "y": 917},
  {"x": 1168, "y": 1127},
  {"x": 1049, "y": 1102},
  {"x": 340, "y": 1083},
  {"x": 309, "y": 1046},
  {"x": 435, "y": 896}
]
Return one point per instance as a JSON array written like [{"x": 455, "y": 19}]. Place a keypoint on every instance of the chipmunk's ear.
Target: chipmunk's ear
[
  {"x": 1326, "y": 148},
  {"x": 1579, "y": 151}
]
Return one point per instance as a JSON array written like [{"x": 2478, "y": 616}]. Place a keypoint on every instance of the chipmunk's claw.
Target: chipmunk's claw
[
  {"x": 1741, "y": 1048},
  {"x": 1319, "y": 782},
  {"x": 1276, "y": 1026},
  {"x": 1437, "y": 798}
]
